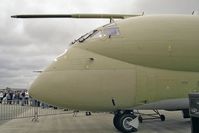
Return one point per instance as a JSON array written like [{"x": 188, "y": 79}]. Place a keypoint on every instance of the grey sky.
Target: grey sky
[{"x": 28, "y": 45}]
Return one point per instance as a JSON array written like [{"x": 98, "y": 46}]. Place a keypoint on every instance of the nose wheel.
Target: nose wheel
[{"x": 126, "y": 122}]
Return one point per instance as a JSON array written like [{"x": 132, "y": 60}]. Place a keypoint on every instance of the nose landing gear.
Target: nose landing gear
[{"x": 126, "y": 121}]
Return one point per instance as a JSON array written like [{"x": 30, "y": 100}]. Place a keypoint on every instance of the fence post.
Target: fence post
[{"x": 36, "y": 115}]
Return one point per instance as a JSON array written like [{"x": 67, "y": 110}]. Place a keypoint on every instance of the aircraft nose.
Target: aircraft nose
[
  {"x": 36, "y": 90},
  {"x": 44, "y": 87},
  {"x": 48, "y": 88}
]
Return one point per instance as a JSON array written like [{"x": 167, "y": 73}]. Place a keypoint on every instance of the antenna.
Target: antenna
[{"x": 37, "y": 71}]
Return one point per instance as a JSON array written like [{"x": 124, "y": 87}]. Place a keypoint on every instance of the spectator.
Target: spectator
[
  {"x": 1, "y": 96},
  {"x": 8, "y": 97},
  {"x": 26, "y": 97},
  {"x": 22, "y": 98},
  {"x": 4, "y": 101},
  {"x": 17, "y": 97},
  {"x": 11, "y": 97}
]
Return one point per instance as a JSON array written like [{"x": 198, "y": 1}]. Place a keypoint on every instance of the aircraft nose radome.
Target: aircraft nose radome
[
  {"x": 45, "y": 88},
  {"x": 36, "y": 90},
  {"x": 33, "y": 91}
]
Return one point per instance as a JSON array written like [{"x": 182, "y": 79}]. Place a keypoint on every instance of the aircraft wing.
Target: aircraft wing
[{"x": 88, "y": 16}]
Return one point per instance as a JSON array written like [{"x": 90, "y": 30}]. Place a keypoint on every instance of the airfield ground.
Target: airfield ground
[{"x": 97, "y": 123}]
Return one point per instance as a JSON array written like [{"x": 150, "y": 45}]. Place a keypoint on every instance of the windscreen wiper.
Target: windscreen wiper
[
  {"x": 87, "y": 36},
  {"x": 84, "y": 37},
  {"x": 79, "y": 39}
]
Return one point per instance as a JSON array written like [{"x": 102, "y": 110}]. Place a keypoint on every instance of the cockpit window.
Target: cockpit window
[
  {"x": 107, "y": 31},
  {"x": 113, "y": 31}
]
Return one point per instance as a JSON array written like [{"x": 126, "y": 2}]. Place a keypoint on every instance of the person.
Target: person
[
  {"x": 1, "y": 96},
  {"x": 22, "y": 98},
  {"x": 11, "y": 97},
  {"x": 4, "y": 101},
  {"x": 26, "y": 97},
  {"x": 8, "y": 97},
  {"x": 17, "y": 97}
]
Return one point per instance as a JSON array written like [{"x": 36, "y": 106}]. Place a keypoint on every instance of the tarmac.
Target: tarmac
[{"x": 96, "y": 123}]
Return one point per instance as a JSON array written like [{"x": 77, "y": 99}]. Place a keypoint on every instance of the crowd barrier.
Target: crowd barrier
[{"x": 15, "y": 109}]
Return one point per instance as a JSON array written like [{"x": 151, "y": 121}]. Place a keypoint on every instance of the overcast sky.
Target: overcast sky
[{"x": 28, "y": 45}]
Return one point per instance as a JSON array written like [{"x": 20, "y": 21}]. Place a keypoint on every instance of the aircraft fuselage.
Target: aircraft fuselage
[{"x": 154, "y": 58}]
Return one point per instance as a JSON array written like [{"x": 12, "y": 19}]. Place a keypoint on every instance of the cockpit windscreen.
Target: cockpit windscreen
[{"x": 107, "y": 31}]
